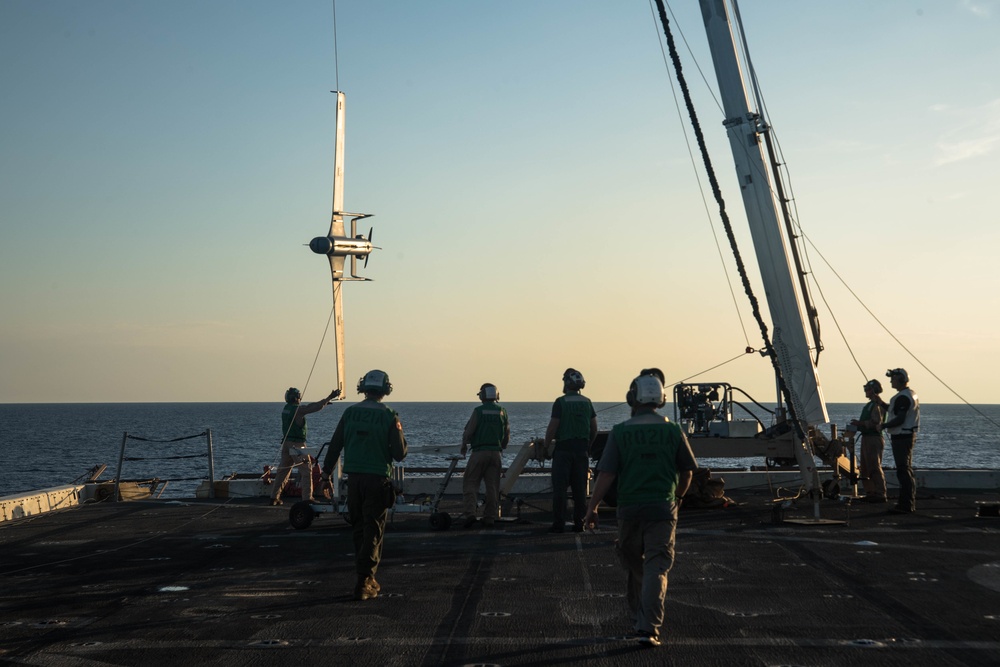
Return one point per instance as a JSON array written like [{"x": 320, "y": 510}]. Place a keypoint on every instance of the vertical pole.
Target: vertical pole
[
  {"x": 211, "y": 464},
  {"x": 338, "y": 209},
  {"x": 121, "y": 458}
]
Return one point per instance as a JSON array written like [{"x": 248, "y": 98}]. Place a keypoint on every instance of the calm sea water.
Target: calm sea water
[{"x": 51, "y": 444}]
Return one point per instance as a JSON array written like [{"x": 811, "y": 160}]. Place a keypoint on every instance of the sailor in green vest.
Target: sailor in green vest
[
  {"x": 572, "y": 428},
  {"x": 487, "y": 434},
  {"x": 650, "y": 459},
  {"x": 293, "y": 441},
  {"x": 371, "y": 438},
  {"x": 872, "y": 443}
]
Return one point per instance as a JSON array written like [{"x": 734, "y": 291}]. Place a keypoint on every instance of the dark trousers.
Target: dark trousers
[
  {"x": 366, "y": 508},
  {"x": 902, "y": 452},
  {"x": 569, "y": 468}
]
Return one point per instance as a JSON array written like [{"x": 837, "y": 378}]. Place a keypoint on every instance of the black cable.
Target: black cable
[{"x": 717, "y": 192}]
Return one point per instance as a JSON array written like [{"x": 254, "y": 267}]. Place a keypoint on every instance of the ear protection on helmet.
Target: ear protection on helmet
[
  {"x": 375, "y": 381},
  {"x": 573, "y": 379},
  {"x": 875, "y": 385},
  {"x": 293, "y": 395},
  {"x": 489, "y": 392},
  {"x": 646, "y": 390}
]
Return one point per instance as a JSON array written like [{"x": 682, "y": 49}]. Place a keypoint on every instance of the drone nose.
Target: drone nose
[{"x": 321, "y": 245}]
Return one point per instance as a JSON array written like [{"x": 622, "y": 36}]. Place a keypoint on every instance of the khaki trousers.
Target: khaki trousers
[
  {"x": 647, "y": 550},
  {"x": 289, "y": 460},
  {"x": 484, "y": 466}
]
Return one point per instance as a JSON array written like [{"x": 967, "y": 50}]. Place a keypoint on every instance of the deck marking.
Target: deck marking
[
  {"x": 815, "y": 540},
  {"x": 587, "y": 588},
  {"x": 986, "y": 575},
  {"x": 883, "y": 644}
]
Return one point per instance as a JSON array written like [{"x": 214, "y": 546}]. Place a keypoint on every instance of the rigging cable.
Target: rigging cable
[
  {"x": 727, "y": 361},
  {"x": 798, "y": 227},
  {"x": 809, "y": 243},
  {"x": 309, "y": 377},
  {"x": 799, "y": 233},
  {"x": 893, "y": 336},
  {"x": 762, "y": 113},
  {"x": 701, "y": 190},
  {"x": 305, "y": 388},
  {"x": 777, "y": 193},
  {"x": 717, "y": 192}
]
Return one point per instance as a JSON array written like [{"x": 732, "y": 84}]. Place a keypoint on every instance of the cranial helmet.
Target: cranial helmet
[
  {"x": 573, "y": 380},
  {"x": 489, "y": 392},
  {"x": 646, "y": 390},
  {"x": 898, "y": 371},
  {"x": 376, "y": 382},
  {"x": 874, "y": 385},
  {"x": 655, "y": 372},
  {"x": 293, "y": 395}
]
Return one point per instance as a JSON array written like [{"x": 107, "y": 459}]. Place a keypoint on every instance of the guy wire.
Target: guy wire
[{"x": 305, "y": 387}]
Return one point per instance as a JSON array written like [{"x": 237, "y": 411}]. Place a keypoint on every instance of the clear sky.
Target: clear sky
[{"x": 163, "y": 163}]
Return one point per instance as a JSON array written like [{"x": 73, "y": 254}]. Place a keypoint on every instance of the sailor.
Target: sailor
[
  {"x": 902, "y": 421},
  {"x": 572, "y": 428},
  {"x": 487, "y": 434},
  {"x": 371, "y": 438},
  {"x": 872, "y": 443},
  {"x": 293, "y": 429},
  {"x": 650, "y": 459}
]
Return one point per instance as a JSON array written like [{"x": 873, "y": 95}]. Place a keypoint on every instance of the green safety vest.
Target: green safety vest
[
  {"x": 289, "y": 429},
  {"x": 866, "y": 415},
  {"x": 366, "y": 438},
  {"x": 575, "y": 414},
  {"x": 491, "y": 427},
  {"x": 647, "y": 467}
]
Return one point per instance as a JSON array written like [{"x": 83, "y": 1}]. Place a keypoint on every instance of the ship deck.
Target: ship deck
[{"x": 230, "y": 582}]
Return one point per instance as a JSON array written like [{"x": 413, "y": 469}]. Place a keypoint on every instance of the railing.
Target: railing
[{"x": 207, "y": 434}]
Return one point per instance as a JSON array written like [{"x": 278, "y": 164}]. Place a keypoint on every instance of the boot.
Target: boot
[{"x": 364, "y": 590}]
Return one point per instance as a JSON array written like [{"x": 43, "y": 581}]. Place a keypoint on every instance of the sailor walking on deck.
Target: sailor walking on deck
[
  {"x": 487, "y": 434},
  {"x": 650, "y": 459},
  {"x": 902, "y": 423},
  {"x": 572, "y": 429},
  {"x": 294, "y": 429},
  {"x": 371, "y": 437}
]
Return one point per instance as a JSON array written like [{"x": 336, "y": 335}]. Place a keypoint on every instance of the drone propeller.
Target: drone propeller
[{"x": 370, "y": 230}]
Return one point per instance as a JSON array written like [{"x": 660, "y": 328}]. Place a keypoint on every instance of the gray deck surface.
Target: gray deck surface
[{"x": 231, "y": 583}]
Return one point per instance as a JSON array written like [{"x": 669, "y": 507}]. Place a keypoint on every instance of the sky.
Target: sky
[{"x": 163, "y": 164}]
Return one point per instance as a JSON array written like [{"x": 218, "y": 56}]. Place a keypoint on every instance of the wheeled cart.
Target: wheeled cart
[{"x": 302, "y": 513}]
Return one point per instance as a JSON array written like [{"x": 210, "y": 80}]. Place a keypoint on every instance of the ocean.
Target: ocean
[{"x": 52, "y": 444}]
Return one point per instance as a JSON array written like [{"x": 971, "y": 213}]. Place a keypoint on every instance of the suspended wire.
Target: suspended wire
[
  {"x": 798, "y": 226},
  {"x": 697, "y": 176},
  {"x": 836, "y": 323},
  {"x": 720, "y": 365},
  {"x": 760, "y": 106},
  {"x": 707, "y": 370},
  {"x": 793, "y": 213},
  {"x": 893, "y": 336},
  {"x": 319, "y": 349},
  {"x": 305, "y": 387},
  {"x": 336, "y": 285},
  {"x": 800, "y": 232},
  {"x": 809, "y": 243},
  {"x": 336, "y": 56},
  {"x": 724, "y": 215}
]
